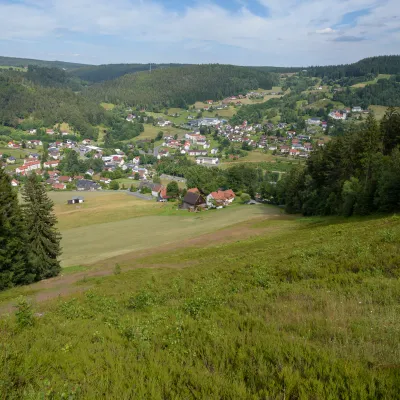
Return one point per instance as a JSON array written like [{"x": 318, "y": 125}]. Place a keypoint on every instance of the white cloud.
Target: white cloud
[
  {"x": 282, "y": 38},
  {"x": 325, "y": 31}
]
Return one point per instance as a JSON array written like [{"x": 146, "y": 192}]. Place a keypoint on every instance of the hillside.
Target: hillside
[
  {"x": 182, "y": 86},
  {"x": 305, "y": 308},
  {"x": 350, "y": 74},
  {"x": 23, "y": 62},
  {"x": 100, "y": 73},
  {"x": 36, "y": 99}
]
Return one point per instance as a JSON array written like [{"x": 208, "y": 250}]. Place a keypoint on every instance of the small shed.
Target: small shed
[{"x": 76, "y": 200}]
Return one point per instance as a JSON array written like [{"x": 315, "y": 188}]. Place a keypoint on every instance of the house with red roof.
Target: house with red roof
[
  {"x": 51, "y": 164},
  {"x": 59, "y": 186},
  {"x": 221, "y": 198}
]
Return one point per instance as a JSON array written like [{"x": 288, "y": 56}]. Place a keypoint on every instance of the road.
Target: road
[{"x": 140, "y": 195}]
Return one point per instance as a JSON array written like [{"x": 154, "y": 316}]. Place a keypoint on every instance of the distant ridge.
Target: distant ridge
[{"x": 22, "y": 62}]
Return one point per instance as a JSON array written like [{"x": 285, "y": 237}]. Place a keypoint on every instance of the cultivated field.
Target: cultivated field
[
  {"x": 380, "y": 111},
  {"x": 363, "y": 84},
  {"x": 110, "y": 224}
]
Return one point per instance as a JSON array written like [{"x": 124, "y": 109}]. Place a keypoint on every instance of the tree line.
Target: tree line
[
  {"x": 357, "y": 173},
  {"x": 371, "y": 65},
  {"x": 386, "y": 92},
  {"x": 29, "y": 239}
]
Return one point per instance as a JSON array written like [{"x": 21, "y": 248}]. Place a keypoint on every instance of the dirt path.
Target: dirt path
[{"x": 64, "y": 285}]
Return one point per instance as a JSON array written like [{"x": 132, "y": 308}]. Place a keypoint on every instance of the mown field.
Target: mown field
[
  {"x": 307, "y": 310},
  {"x": 363, "y": 84},
  {"x": 110, "y": 224}
]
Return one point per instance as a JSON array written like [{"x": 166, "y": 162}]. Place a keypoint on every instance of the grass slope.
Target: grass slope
[{"x": 309, "y": 310}]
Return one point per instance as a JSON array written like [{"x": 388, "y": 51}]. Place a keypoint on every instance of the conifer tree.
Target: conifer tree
[
  {"x": 43, "y": 238},
  {"x": 13, "y": 256}
]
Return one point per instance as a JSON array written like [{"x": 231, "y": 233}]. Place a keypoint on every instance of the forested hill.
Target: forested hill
[
  {"x": 24, "y": 62},
  {"x": 372, "y": 65},
  {"x": 45, "y": 100},
  {"x": 107, "y": 72},
  {"x": 180, "y": 87}
]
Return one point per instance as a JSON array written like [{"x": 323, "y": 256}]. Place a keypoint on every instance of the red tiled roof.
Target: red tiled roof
[
  {"x": 194, "y": 190},
  {"x": 223, "y": 195}
]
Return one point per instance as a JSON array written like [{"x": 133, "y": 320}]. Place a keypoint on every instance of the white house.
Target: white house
[
  {"x": 356, "y": 109},
  {"x": 51, "y": 164},
  {"x": 207, "y": 160},
  {"x": 14, "y": 183},
  {"x": 214, "y": 151}
]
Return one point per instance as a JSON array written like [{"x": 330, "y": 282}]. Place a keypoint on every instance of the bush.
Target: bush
[
  {"x": 245, "y": 197},
  {"x": 24, "y": 315}
]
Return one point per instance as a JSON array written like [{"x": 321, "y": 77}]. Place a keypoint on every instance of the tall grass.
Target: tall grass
[{"x": 309, "y": 311}]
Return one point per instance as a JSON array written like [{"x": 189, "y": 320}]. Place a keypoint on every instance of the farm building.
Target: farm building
[
  {"x": 76, "y": 200},
  {"x": 193, "y": 201}
]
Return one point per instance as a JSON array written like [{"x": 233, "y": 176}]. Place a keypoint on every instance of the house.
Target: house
[
  {"x": 294, "y": 152},
  {"x": 11, "y": 160},
  {"x": 13, "y": 145},
  {"x": 314, "y": 121},
  {"x": 207, "y": 160},
  {"x": 285, "y": 149},
  {"x": 59, "y": 186},
  {"x": 162, "y": 195},
  {"x": 53, "y": 174},
  {"x": 194, "y": 190},
  {"x": 51, "y": 164},
  {"x": 356, "y": 109},
  {"x": 193, "y": 201},
  {"x": 163, "y": 153},
  {"x": 136, "y": 160},
  {"x": 164, "y": 123},
  {"x": 195, "y": 153},
  {"x": 90, "y": 172},
  {"x": 32, "y": 131},
  {"x": 86, "y": 185},
  {"x": 106, "y": 181},
  {"x": 50, "y": 131},
  {"x": 64, "y": 179},
  {"x": 76, "y": 200},
  {"x": 14, "y": 183},
  {"x": 214, "y": 151},
  {"x": 86, "y": 141},
  {"x": 35, "y": 142},
  {"x": 221, "y": 198},
  {"x": 34, "y": 156}
]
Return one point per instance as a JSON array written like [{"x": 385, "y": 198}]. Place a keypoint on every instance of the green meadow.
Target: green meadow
[{"x": 305, "y": 308}]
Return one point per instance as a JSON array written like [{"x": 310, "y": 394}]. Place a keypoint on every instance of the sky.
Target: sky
[{"x": 241, "y": 32}]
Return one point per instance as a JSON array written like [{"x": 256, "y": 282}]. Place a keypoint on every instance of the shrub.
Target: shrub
[{"x": 24, "y": 315}]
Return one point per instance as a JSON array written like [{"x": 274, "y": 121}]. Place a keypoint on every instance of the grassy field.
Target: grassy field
[
  {"x": 108, "y": 106},
  {"x": 307, "y": 309},
  {"x": 380, "y": 111},
  {"x": 150, "y": 131},
  {"x": 363, "y": 84},
  {"x": 109, "y": 224},
  {"x": 254, "y": 156}
]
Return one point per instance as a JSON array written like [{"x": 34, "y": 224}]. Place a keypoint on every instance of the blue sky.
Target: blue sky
[{"x": 243, "y": 32}]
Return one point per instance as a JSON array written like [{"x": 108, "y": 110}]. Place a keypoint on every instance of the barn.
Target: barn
[{"x": 76, "y": 200}]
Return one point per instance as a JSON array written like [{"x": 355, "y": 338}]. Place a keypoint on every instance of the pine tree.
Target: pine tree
[
  {"x": 43, "y": 237},
  {"x": 13, "y": 256}
]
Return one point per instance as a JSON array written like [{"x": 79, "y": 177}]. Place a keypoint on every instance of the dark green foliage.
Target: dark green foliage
[
  {"x": 354, "y": 174},
  {"x": 372, "y": 65},
  {"x": 43, "y": 238},
  {"x": 14, "y": 269},
  {"x": 21, "y": 98},
  {"x": 173, "y": 189},
  {"x": 23, "y": 62},
  {"x": 180, "y": 87},
  {"x": 386, "y": 92},
  {"x": 390, "y": 125},
  {"x": 100, "y": 73}
]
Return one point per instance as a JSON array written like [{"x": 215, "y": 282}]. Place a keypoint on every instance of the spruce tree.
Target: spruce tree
[
  {"x": 14, "y": 269},
  {"x": 43, "y": 238}
]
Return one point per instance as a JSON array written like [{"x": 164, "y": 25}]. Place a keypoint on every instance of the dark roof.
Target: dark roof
[
  {"x": 87, "y": 185},
  {"x": 192, "y": 199}
]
